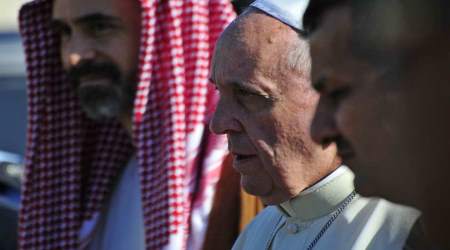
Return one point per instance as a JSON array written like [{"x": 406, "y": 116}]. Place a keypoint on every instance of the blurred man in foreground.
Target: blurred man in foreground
[
  {"x": 118, "y": 154},
  {"x": 261, "y": 69},
  {"x": 382, "y": 69}
]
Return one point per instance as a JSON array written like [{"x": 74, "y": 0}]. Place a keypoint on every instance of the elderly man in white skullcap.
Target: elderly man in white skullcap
[{"x": 261, "y": 68}]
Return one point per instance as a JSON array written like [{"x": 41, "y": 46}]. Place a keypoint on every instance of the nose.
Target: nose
[
  {"x": 76, "y": 50},
  {"x": 223, "y": 121},
  {"x": 323, "y": 127}
]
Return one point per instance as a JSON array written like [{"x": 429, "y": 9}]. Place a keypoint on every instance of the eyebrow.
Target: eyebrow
[
  {"x": 56, "y": 24},
  {"x": 85, "y": 19},
  {"x": 96, "y": 17},
  {"x": 235, "y": 84}
]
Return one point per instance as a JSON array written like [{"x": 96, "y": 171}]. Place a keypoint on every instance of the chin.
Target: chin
[
  {"x": 250, "y": 189},
  {"x": 255, "y": 190},
  {"x": 268, "y": 201},
  {"x": 101, "y": 112},
  {"x": 265, "y": 190}
]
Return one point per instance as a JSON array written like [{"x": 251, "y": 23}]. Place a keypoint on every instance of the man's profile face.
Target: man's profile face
[
  {"x": 388, "y": 114},
  {"x": 265, "y": 109},
  {"x": 99, "y": 50}
]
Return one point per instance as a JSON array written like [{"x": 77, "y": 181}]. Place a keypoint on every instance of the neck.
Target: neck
[
  {"x": 127, "y": 123},
  {"x": 435, "y": 218},
  {"x": 322, "y": 198}
]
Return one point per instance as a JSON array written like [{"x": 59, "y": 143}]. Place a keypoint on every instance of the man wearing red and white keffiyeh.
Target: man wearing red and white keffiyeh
[{"x": 109, "y": 81}]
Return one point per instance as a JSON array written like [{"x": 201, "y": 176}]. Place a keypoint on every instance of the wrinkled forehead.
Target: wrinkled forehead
[
  {"x": 231, "y": 58},
  {"x": 254, "y": 40},
  {"x": 73, "y": 9}
]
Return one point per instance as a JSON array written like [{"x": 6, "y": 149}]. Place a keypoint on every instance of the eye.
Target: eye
[
  {"x": 61, "y": 30},
  {"x": 339, "y": 93},
  {"x": 245, "y": 93},
  {"x": 252, "y": 101},
  {"x": 100, "y": 28},
  {"x": 331, "y": 89}
]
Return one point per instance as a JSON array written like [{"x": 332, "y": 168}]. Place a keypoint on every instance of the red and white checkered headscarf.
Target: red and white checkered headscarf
[{"x": 71, "y": 162}]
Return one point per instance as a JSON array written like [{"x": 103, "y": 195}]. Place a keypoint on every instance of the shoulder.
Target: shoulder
[
  {"x": 389, "y": 211},
  {"x": 259, "y": 229},
  {"x": 267, "y": 218},
  {"x": 391, "y": 223}
]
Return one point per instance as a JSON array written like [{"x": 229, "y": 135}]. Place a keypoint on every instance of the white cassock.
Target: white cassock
[{"x": 330, "y": 216}]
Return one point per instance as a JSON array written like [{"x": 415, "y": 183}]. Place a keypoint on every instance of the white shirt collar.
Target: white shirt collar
[{"x": 321, "y": 198}]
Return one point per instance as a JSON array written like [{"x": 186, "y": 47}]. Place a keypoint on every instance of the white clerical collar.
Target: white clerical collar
[
  {"x": 321, "y": 198},
  {"x": 289, "y": 12}
]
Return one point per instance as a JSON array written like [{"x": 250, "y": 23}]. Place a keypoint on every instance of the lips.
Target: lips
[
  {"x": 92, "y": 80},
  {"x": 239, "y": 157},
  {"x": 245, "y": 164},
  {"x": 89, "y": 71}
]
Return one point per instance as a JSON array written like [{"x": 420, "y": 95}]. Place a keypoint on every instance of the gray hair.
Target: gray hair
[{"x": 298, "y": 58}]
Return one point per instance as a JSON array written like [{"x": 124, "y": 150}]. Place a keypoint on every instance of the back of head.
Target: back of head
[
  {"x": 385, "y": 26},
  {"x": 396, "y": 27}
]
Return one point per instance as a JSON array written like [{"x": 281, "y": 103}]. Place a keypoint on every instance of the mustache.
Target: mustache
[
  {"x": 345, "y": 149},
  {"x": 89, "y": 68}
]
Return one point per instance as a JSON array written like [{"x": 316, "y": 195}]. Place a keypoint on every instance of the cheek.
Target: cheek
[
  {"x": 67, "y": 59},
  {"x": 119, "y": 58},
  {"x": 359, "y": 119},
  {"x": 262, "y": 133},
  {"x": 260, "y": 126},
  {"x": 292, "y": 153},
  {"x": 122, "y": 51},
  {"x": 371, "y": 121},
  {"x": 131, "y": 57},
  {"x": 282, "y": 141}
]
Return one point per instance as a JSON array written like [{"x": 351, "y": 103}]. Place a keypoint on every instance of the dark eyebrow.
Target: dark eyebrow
[
  {"x": 56, "y": 24},
  {"x": 96, "y": 17},
  {"x": 89, "y": 18}
]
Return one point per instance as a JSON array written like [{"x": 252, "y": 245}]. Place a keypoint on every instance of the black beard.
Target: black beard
[
  {"x": 100, "y": 102},
  {"x": 104, "y": 102}
]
